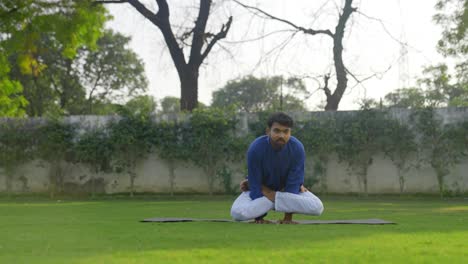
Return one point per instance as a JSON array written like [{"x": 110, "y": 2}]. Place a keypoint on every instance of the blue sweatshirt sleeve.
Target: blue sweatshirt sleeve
[
  {"x": 296, "y": 174},
  {"x": 254, "y": 174}
]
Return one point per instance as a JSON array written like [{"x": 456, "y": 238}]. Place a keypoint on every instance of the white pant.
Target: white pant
[{"x": 244, "y": 208}]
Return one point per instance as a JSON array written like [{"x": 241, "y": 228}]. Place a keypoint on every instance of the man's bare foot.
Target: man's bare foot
[
  {"x": 287, "y": 220},
  {"x": 268, "y": 193},
  {"x": 244, "y": 185},
  {"x": 261, "y": 221}
]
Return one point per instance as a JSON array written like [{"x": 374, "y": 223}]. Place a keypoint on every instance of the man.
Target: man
[{"x": 275, "y": 178}]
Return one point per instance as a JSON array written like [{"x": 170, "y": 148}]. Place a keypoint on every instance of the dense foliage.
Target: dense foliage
[{"x": 212, "y": 139}]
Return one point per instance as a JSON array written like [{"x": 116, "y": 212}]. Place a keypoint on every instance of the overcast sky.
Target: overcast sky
[{"x": 372, "y": 45}]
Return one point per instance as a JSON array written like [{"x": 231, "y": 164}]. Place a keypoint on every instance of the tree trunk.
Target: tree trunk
[
  {"x": 8, "y": 183},
  {"x": 132, "y": 174},
  {"x": 188, "y": 71},
  {"x": 171, "y": 165},
  {"x": 93, "y": 189},
  {"x": 334, "y": 99},
  {"x": 324, "y": 176},
  {"x": 189, "y": 89},
  {"x": 210, "y": 173},
  {"x": 52, "y": 180},
  {"x": 401, "y": 179},
  {"x": 440, "y": 180},
  {"x": 362, "y": 176}
]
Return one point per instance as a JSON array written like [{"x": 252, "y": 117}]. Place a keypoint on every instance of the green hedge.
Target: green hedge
[{"x": 208, "y": 139}]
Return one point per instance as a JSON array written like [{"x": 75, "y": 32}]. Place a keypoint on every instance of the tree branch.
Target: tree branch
[
  {"x": 382, "y": 24},
  {"x": 142, "y": 9},
  {"x": 220, "y": 35},
  {"x": 161, "y": 20},
  {"x": 375, "y": 74},
  {"x": 325, "y": 86},
  {"x": 260, "y": 37},
  {"x": 199, "y": 32},
  {"x": 305, "y": 30},
  {"x": 342, "y": 80}
]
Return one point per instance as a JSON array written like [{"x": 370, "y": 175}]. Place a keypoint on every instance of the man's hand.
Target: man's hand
[
  {"x": 303, "y": 189},
  {"x": 268, "y": 193},
  {"x": 244, "y": 185}
]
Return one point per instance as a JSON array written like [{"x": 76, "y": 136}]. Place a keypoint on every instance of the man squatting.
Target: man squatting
[{"x": 275, "y": 178}]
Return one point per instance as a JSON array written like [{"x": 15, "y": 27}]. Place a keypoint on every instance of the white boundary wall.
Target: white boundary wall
[{"x": 153, "y": 173}]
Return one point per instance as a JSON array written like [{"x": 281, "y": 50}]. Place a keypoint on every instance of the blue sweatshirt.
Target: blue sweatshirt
[{"x": 276, "y": 169}]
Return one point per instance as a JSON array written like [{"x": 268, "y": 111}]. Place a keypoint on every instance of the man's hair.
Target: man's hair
[{"x": 280, "y": 118}]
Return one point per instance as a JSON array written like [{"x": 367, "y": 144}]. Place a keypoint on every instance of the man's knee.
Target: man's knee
[
  {"x": 320, "y": 208},
  {"x": 316, "y": 207},
  {"x": 240, "y": 214}
]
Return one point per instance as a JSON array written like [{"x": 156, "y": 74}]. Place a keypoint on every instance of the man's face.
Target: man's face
[{"x": 279, "y": 135}]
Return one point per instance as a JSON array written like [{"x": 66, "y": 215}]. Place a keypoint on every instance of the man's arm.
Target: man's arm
[
  {"x": 296, "y": 174},
  {"x": 254, "y": 174}
]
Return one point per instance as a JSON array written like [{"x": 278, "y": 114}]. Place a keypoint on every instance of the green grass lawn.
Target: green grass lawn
[{"x": 107, "y": 230}]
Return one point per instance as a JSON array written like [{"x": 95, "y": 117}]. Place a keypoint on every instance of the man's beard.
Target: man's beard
[{"x": 279, "y": 143}]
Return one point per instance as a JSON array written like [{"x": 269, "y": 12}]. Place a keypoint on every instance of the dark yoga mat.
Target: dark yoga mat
[{"x": 305, "y": 222}]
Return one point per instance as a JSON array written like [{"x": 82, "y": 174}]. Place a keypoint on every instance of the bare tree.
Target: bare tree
[
  {"x": 333, "y": 98},
  {"x": 201, "y": 44}
]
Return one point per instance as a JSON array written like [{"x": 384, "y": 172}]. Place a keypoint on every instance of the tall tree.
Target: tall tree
[
  {"x": 201, "y": 45},
  {"x": 142, "y": 106},
  {"x": 72, "y": 23},
  {"x": 440, "y": 88},
  {"x": 83, "y": 84},
  {"x": 251, "y": 94},
  {"x": 333, "y": 97},
  {"x": 12, "y": 102},
  {"x": 170, "y": 104},
  {"x": 452, "y": 16},
  {"x": 406, "y": 98},
  {"x": 112, "y": 71}
]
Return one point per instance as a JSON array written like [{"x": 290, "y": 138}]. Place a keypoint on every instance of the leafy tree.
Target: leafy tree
[
  {"x": 170, "y": 141},
  {"x": 12, "y": 102},
  {"x": 94, "y": 150},
  {"x": 452, "y": 15},
  {"x": 131, "y": 141},
  {"x": 441, "y": 145},
  {"x": 359, "y": 139},
  {"x": 437, "y": 89},
  {"x": 24, "y": 22},
  {"x": 444, "y": 88},
  {"x": 187, "y": 68},
  {"x": 399, "y": 144},
  {"x": 441, "y": 89},
  {"x": 112, "y": 71},
  {"x": 251, "y": 94},
  {"x": 91, "y": 79},
  {"x": 170, "y": 104},
  {"x": 102, "y": 108},
  {"x": 142, "y": 107},
  {"x": 210, "y": 142},
  {"x": 406, "y": 98},
  {"x": 55, "y": 145},
  {"x": 16, "y": 147},
  {"x": 57, "y": 87},
  {"x": 319, "y": 142}
]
